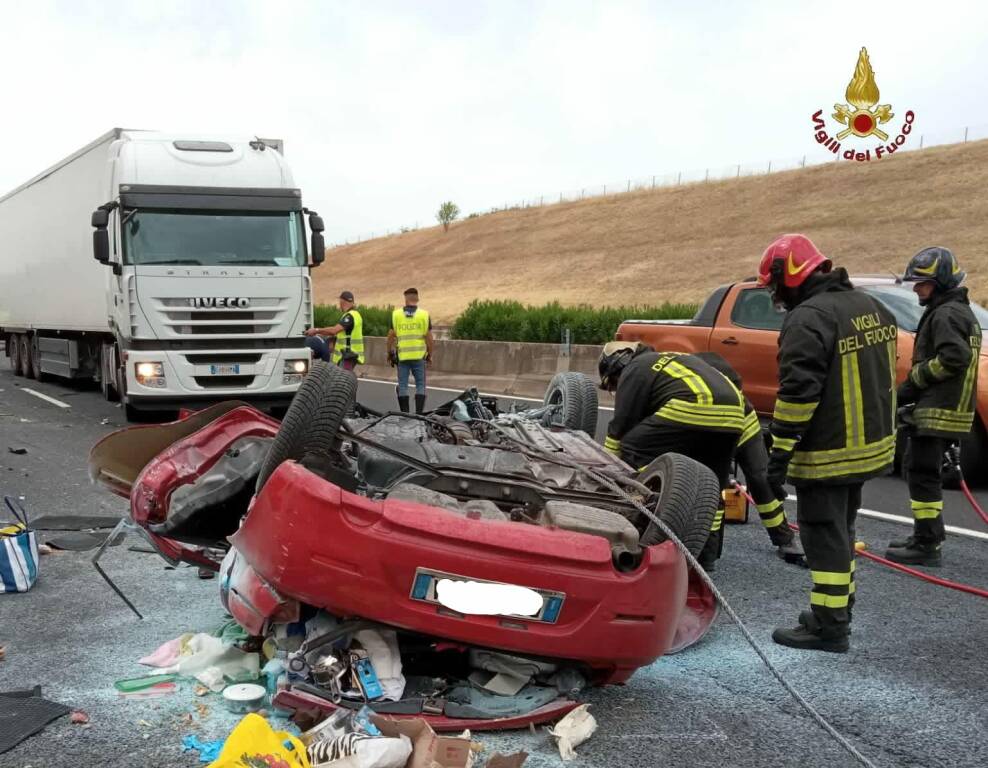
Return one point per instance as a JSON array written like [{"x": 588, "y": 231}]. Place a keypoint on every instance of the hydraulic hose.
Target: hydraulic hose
[{"x": 905, "y": 568}]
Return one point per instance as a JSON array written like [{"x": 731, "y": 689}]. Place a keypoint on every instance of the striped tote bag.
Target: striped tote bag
[{"x": 18, "y": 552}]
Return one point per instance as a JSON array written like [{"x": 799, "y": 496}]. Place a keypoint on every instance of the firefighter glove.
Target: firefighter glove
[{"x": 907, "y": 392}]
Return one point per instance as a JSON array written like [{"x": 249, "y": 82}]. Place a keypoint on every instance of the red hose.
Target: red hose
[{"x": 905, "y": 568}]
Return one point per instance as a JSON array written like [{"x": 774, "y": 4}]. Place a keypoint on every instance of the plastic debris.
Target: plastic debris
[
  {"x": 208, "y": 750},
  {"x": 200, "y": 690},
  {"x": 364, "y": 751},
  {"x": 19, "y": 451},
  {"x": 78, "y": 717},
  {"x": 574, "y": 729}
]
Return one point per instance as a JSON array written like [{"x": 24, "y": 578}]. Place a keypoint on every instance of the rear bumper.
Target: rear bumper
[{"x": 307, "y": 541}]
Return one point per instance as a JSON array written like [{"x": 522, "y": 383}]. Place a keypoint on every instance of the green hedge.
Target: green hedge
[
  {"x": 376, "y": 319},
  {"x": 513, "y": 321}
]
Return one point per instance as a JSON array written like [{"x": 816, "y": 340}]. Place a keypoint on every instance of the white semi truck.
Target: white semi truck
[{"x": 200, "y": 287}]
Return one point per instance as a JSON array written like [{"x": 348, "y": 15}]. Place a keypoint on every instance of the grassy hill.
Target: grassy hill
[{"x": 677, "y": 243}]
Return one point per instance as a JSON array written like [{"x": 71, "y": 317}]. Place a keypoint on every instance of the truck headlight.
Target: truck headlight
[
  {"x": 294, "y": 370},
  {"x": 150, "y": 374}
]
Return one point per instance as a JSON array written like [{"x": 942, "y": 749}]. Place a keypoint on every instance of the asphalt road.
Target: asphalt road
[{"x": 912, "y": 691}]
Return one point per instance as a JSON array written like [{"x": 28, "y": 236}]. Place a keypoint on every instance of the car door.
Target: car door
[{"x": 748, "y": 339}]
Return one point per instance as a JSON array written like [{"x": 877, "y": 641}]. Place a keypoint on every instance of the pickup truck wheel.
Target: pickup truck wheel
[
  {"x": 313, "y": 420},
  {"x": 689, "y": 494},
  {"x": 570, "y": 390},
  {"x": 14, "y": 345}
]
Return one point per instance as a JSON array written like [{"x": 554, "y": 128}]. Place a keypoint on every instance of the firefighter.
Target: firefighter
[
  {"x": 942, "y": 386},
  {"x": 752, "y": 456},
  {"x": 672, "y": 402},
  {"x": 833, "y": 426}
]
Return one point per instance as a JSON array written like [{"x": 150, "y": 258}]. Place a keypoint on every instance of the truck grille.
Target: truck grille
[
  {"x": 223, "y": 382},
  {"x": 223, "y": 358},
  {"x": 182, "y": 320}
]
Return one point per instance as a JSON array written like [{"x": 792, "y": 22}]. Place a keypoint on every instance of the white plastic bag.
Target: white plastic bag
[{"x": 574, "y": 729}]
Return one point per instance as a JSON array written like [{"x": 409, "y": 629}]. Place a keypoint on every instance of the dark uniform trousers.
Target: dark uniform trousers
[
  {"x": 826, "y": 515},
  {"x": 752, "y": 458},
  {"x": 924, "y": 464}
]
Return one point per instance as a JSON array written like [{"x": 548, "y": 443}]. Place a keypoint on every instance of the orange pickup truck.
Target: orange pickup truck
[{"x": 740, "y": 323}]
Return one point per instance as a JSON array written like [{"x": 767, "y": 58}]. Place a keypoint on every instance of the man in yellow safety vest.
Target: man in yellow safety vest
[
  {"x": 347, "y": 349},
  {"x": 410, "y": 348}
]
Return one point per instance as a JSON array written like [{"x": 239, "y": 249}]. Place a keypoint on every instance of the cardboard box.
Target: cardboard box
[{"x": 429, "y": 750}]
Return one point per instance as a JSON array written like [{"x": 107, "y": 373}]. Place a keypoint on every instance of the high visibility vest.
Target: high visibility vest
[
  {"x": 354, "y": 341},
  {"x": 410, "y": 332}
]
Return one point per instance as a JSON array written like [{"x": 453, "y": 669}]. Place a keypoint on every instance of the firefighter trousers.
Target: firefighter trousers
[
  {"x": 647, "y": 441},
  {"x": 924, "y": 464},
  {"x": 826, "y": 515}
]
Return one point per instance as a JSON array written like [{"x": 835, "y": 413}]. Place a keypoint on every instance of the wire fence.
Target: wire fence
[{"x": 696, "y": 176}]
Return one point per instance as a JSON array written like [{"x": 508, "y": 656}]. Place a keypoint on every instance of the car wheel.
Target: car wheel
[
  {"x": 312, "y": 422},
  {"x": 689, "y": 494},
  {"x": 571, "y": 390},
  {"x": 14, "y": 345}
]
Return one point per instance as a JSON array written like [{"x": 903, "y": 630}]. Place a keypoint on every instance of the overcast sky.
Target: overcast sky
[{"x": 388, "y": 108}]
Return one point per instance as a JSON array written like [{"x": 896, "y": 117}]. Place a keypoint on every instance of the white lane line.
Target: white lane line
[
  {"x": 874, "y": 513},
  {"x": 485, "y": 394},
  {"x": 43, "y": 396}
]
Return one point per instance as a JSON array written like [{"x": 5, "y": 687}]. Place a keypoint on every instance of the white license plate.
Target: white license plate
[
  {"x": 426, "y": 580},
  {"x": 225, "y": 370}
]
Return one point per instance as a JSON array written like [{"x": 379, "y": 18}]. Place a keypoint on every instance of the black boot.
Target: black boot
[
  {"x": 905, "y": 543},
  {"x": 806, "y": 618},
  {"x": 403, "y": 403},
  {"x": 789, "y": 547},
  {"x": 420, "y": 403},
  {"x": 916, "y": 553},
  {"x": 811, "y": 636}
]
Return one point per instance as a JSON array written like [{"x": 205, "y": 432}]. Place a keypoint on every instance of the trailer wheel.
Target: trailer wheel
[
  {"x": 689, "y": 494},
  {"x": 36, "y": 372},
  {"x": 576, "y": 393},
  {"x": 14, "y": 345},
  {"x": 27, "y": 363},
  {"x": 313, "y": 420}
]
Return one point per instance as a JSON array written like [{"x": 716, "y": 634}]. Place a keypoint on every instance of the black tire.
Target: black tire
[
  {"x": 27, "y": 363},
  {"x": 568, "y": 389},
  {"x": 689, "y": 494},
  {"x": 15, "y": 355},
  {"x": 591, "y": 405},
  {"x": 313, "y": 419},
  {"x": 36, "y": 372}
]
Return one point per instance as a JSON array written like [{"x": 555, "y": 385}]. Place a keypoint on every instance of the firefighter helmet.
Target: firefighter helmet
[
  {"x": 936, "y": 264},
  {"x": 789, "y": 260},
  {"x": 613, "y": 358}
]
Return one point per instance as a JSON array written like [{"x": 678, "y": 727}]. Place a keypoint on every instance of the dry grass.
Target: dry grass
[{"x": 677, "y": 243}]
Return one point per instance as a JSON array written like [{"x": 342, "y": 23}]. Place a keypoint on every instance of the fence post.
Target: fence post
[
  {"x": 567, "y": 341},
  {"x": 706, "y": 175},
  {"x": 921, "y": 141},
  {"x": 803, "y": 164},
  {"x": 605, "y": 190},
  {"x": 679, "y": 178},
  {"x": 541, "y": 200},
  {"x": 581, "y": 194},
  {"x": 653, "y": 182},
  {"x": 739, "y": 172},
  {"x": 629, "y": 180},
  {"x": 560, "y": 197},
  {"x": 769, "y": 166},
  {"x": 965, "y": 134}
]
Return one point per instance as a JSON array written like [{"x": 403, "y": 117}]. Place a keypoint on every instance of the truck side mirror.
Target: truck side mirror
[
  {"x": 101, "y": 238},
  {"x": 318, "y": 241}
]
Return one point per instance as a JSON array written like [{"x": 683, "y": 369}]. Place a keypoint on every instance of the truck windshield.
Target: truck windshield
[{"x": 213, "y": 238}]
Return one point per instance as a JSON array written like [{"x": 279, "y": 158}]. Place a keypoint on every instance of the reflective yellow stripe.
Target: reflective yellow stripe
[
  {"x": 972, "y": 373},
  {"x": 774, "y": 522},
  {"x": 783, "y": 443},
  {"x": 796, "y": 413},
  {"x": 696, "y": 384},
  {"x": 410, "y": 332},
  {"x": 916, "y": 376},
  {"x": 751, "y": 428},
  {"x": 769, "y": 507},
  {"x": 944, "y": 420},
  {"x": 612, "y": 445},
  {"x": 718, "y": 521},
  {"x": 937, "y": 370},
  {"x": 728, "y": 417},
  {"x": 926, "y": 510},
  {"x": 828, "y": 601},
  {"x": 851, "y": 589},
  {"x": 893, "y": 351},
  {"x": 836, "y": 469},
  {"x": 830, "y": 578},
  {"x": 854, "y": 426},
  {"x": 355, "y": 339},
  {"x": 854, "y": 565}
]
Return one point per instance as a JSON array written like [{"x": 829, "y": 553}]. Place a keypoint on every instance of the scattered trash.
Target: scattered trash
[
  {"x": 104, "y": 421},
  {"x": 385, "y": 663},
  {"x": 44, "y": 549},
  {"x": 200, "y": 690},
  {"x": 152, "y": 692},
  {"x": 18, "y": 551},
  {"x": 3, "y": 652},
  {"x": 19, "y": 451},
  {"x": 574, "y": 729},
  {"x": 165, "y": 655},
  {"x": 202, "y": 710},
  {"x": 243, "y": 698},
  {"x": 78, "y": 717},
  {"x": 254, "y": 742},
  {"x": 364, "y": 751},
  {"x": 134, "y": 684},
  {"x": 428, "y": 749},
  {"x": 208, "y": 750}
]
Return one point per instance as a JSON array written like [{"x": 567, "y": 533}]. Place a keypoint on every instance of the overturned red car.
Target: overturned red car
[{"x": 463, "y": 528}]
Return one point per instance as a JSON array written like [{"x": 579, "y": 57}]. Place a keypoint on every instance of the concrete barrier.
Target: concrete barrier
[{"x": 506, "y": 367}]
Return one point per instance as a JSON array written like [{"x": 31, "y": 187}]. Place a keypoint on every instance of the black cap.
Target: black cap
[
  {"x": 346, "y": 296},
  {"x": 411, "y": 292}
]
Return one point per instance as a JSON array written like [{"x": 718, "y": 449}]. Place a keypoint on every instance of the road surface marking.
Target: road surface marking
[
  {"x": 485, "y": 394},
  {"x": 874, "y": 513},
  {"x": 43, "y": 396}
]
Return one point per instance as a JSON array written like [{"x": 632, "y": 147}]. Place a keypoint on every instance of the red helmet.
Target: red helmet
[{"x": 792, "y": 258}]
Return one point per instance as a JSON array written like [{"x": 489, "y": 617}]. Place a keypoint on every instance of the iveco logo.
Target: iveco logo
[{"x": 206, "y": 302}]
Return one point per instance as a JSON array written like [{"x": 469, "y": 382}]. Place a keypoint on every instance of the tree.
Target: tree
[{"x": 447, "y": 214}]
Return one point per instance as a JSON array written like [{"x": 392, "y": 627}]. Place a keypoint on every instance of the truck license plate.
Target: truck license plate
[
  {"x": 424, "y": 590},
  {"x": 225, "y": 370}
]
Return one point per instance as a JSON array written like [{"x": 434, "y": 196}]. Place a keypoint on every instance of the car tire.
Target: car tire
[
  {"x": 570, "y": 389},
  {"x": 14, "y": 345},
  {"x": 689, "y": 494},
  {"x": 313, "y": 420}
]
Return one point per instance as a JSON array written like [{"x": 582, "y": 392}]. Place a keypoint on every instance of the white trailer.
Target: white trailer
[{"x": 200, "y": 287}]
